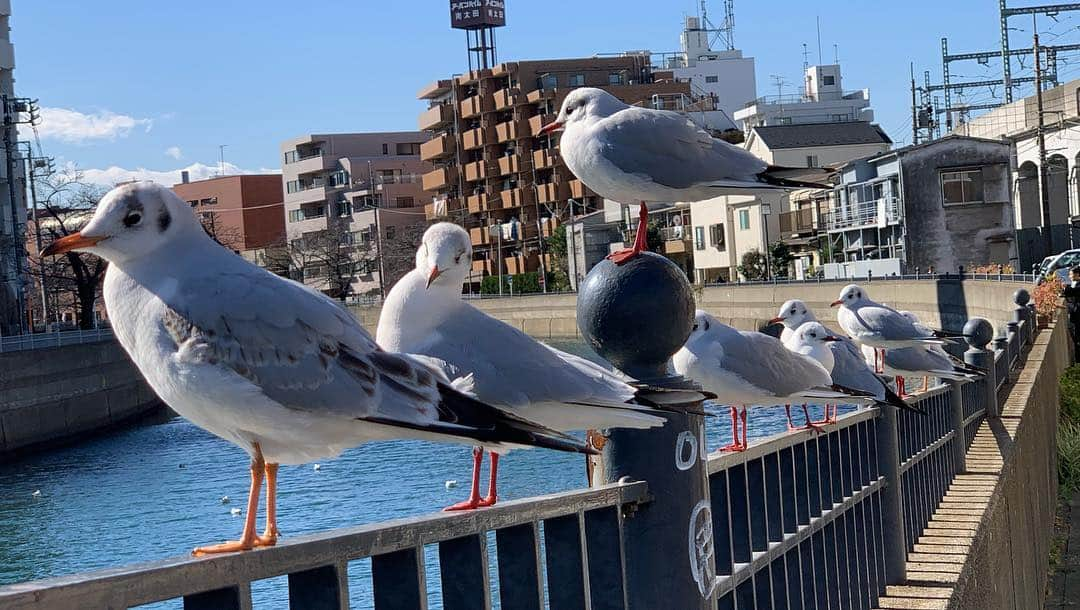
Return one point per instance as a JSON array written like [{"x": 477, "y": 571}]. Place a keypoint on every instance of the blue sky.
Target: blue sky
[{"x": 134, "y": 84}]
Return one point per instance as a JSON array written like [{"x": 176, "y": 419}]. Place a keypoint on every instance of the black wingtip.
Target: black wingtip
[
  {"x": 891, "y": 398},
  {"x": 850, "y": 391}
]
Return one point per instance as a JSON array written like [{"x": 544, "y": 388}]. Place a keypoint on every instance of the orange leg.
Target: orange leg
[
  {"x": 744, "y": 428},
  {"x": 492, "y": 497},
  {"x": 925, "y": 383},
  {"x": 734, "y": 446},
  {"x": 814, "y": 425},
  {"x": 901, "y": 391},
  {"x": 248, "y": 538},
  {"x": 474, "y": 490},
  {"x": 641, "y": 242},
  {"x": 270, "y": 534},
  {"x": 790, "y": 424}
]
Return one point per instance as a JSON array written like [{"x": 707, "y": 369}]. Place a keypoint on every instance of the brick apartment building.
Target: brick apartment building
[
  {"x": 494, "y": 175},
  {"x": 242, "y": 212},
  {"x": 365, "y": 188}
]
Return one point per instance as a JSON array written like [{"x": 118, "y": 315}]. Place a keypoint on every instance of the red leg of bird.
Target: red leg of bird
[
  {"x": 270, "y": 534},
  {"x": 790, "y": 424},
  {"x": 492, "y": 496},
  {"x": 925, "y": 383},
  {"x": 744, "y": 444},
  {"x": 814, "y": 425},
  {"x": 900, "y": 389},
  {"x": 641, "y": 242},
  {"x": 734, "y": 446},
  {"x": 474, "y": 489},
  {"x": 248, "y": 538}
]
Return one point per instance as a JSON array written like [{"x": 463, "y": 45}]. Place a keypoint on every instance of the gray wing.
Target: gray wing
[
  {"x": 917, "y": 359},
  {"x": 298, "y": 347},
  {"x": 886, "y": 322},
  {"x": 670, "y": 150},
  {"x": 764, "y": 362},
  {"x": 510, "y": 368},
  {"x": 851, "y": 371}
]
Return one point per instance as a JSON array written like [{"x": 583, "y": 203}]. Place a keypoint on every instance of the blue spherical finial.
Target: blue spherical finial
[
  {"x": 978, "y": 332},
  {"x": 638, "y": 314},
  {"x": 1021, "y": 297}
]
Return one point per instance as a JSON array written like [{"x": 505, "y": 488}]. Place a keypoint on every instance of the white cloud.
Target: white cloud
[
  {"x": 174, "y": 152},
  {"x": 74, "y": 127},
  {"x": 113, "y": 175}
]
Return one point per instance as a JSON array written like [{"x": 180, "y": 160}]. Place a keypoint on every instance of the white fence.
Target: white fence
[{"x": 16, "y": 343}]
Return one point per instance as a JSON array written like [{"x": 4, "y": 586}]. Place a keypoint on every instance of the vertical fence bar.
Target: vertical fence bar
[
  {"x": 325, "y": 588},
  {"x": 892, "y": 515},
  {"x": 605, "y": 567},
  {"x": 398, "y": 581},
  {"x": 463, "y": 563},
  {"x": 518, "y": 551},
  {"x": 959, "y": 447},
  {"x": 237, "y": 597},
  {"x": 565, "y": 565}
]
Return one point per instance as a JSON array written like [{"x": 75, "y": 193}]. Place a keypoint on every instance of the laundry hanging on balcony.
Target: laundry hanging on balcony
[
  {"x": 440, "y": 207},
  {"x": 511, "y": 230}
]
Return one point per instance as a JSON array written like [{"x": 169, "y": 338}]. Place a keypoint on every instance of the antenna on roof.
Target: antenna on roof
[{"x": 726, "y": 30}]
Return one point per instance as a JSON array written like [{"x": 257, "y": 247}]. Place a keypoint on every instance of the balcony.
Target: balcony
[
  {"x": 482, "y": 266},
  {"x": 516, "y": 197},
  {"x": 544, "y": 158},
  {"x": 548, "y": 226},
  {"x": 438, "y": 179},
  {"x": 578, "y": 190},
  {"x": 877, "y": 213},
  {"x": 479, "y": 203},
  {"x": 510, "y": 164},
  {"x": 539, "y": 94},
  {"x": 475, "y": 138},
  {"x": 677, "y": 239},
  {"x": 509, "y": 131},
  {"x": 434, "y": 210},
  {"x": 436, "y": 117},
  {"x": 521, "y": 263},
  {"x": 551, "y": 192},
  {"x": 437, "y": 148},
  {"x": 477, "y": 170},
  {"x": 479, "y": 236},
  {"x": 435, "y": 89},
  {"x": 473, "y": 106},
  {"x": 507, "y": 98},
  {"x": 799, "y": 222},
  {"x": 537, "y": 122}
]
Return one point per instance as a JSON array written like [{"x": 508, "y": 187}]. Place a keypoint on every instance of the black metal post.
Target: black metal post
[
  {"x": 978, "y": 333},
  {"x": 892, "y": 507},
  {"x": 637, "y": 315}
]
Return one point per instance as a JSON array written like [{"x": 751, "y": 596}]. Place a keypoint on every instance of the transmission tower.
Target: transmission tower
[{"x": 726, "y": 30}]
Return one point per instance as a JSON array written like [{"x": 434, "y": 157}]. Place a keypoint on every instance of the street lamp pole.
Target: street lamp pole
[{"x": 766, "y": 211}]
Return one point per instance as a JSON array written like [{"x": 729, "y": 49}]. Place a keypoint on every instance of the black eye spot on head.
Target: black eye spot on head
[
  {"x": 693, "y": 328},
  {"x": 133, "y": 218},
  {"x": 164, "y": 219}
]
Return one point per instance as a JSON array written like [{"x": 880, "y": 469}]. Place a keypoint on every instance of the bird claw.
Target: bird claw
[
  {"x": 232, "y": 546},
  {"x": 622, "y": 256},
  {"x": 470, "y": 504},
  {"x": 732, "y": 448}
]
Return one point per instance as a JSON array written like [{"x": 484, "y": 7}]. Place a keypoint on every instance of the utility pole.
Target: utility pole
[
  {"x": 378, "y": 234},
  {"x": 1044, "y": 191},
  {"x": 33, "y": 164},
  {"x": 221, "y": 153},
  {"x": 914, "y": 110}
]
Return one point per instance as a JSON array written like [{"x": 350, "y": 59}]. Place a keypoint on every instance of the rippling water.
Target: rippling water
[{"x": 155, "y": 491}]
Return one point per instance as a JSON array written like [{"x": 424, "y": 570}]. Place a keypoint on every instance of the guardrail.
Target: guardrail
[
  {"x": 16, "y": 343},
  {"x": 797, "y": 520}
]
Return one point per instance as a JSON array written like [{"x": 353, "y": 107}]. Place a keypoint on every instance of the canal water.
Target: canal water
[{"x": 156, "y": 490}]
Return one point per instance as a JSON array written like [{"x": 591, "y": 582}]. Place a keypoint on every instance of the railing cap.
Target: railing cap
[
  {"x": 978, "y": 332},
  {"x": 1021, "y": 297}
]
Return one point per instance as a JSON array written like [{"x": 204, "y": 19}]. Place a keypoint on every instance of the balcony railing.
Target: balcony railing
[
  {"x": 296, "y": 156},
  {"x": 438, "y": 179},
  {"x": 507, "y": 98},
  {"x": 477, "y": 170},
  {"x": 544, "y": 158},
  {"x": 508, "y": 131},
  {"x": 436, "y": 148},
  {"x": 879, "y": 212},
  {"x": 509, "y": 164},
  {"x": 475, "y": 138},
  {"x": 578, "y": 190},
  {"x": 16, "y": 343},
  {"x": 798, "y": 222},
  {"x": 473, "y": 106},
  {"x": 537, "y": 122},
  {"x": 551, "y": 192},
  {"x": 436, "y": 117}
]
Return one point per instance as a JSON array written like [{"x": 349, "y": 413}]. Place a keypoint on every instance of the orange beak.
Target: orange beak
[
  {"x": 551, "y": 127},
  {"x": 836, "y": 302},
  {"x": 776, "y": 321},
  {"x": 71, "y": 242},
  {"x": 434, "y": 274}
]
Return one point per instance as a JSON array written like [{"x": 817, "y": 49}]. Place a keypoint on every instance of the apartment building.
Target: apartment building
[
  {"x": 243, "y": 213},
  {"x": 823, "y": 100},
  {"x": 494, "y": 174},
  {"x": 361, "y": 191}
]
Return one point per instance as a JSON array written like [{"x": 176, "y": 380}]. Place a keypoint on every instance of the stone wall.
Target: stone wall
[{"x": 49, "y": 396}]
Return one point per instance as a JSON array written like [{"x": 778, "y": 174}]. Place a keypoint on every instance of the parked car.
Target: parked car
[{"x": 1059, "y": 264}]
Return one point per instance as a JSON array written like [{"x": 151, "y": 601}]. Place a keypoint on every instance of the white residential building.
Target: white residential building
[{"x": 823, "y": 100}]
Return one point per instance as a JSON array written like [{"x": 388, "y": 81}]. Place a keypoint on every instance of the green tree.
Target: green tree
[
  {"x": 556, "y": 245},
  {"x": 752, "y": 265},
  {"x": 781, "y": 258}
]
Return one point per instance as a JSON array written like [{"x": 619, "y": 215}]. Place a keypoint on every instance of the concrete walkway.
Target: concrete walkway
[{"x": 1065, "y": 581}]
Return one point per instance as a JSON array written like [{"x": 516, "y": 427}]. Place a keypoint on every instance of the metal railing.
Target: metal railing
[
  {"x": 864, "y": 213},
  {"x": 798, "y": 520},
  {"x": 15, "y": 343}
]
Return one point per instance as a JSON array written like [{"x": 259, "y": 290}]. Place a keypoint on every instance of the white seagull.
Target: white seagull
[
  {"x": 792, "y": 314},
  {"x": 753, "y": 369},
  {"x": 925, "y": 362},
  {"x": 261, "y": 361},
  {"x": 844, "y": 362},
  {"x": 870, "y": 323},
  {"x": 628, "y": 154},
  {"x": 424, "y": 314}
]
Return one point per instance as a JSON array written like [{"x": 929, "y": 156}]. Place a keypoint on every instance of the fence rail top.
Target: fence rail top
[{"x": 175, "y": 577}]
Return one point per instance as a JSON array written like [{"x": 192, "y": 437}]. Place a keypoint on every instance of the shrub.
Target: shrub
[
  {"x": 1047, "y": 295},
  {"x": 752, "y": 265},
  {"x": 1068, "y": 440},
  {"x": 991, "y": 269},
  {"x": 523, "y": 283},
  {"x": 1070, "y": 394}
]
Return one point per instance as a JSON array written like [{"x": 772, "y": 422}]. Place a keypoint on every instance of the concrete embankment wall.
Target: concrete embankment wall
[
  {"x": 53, "y": 395},
  {"x": 945, "y": 303},
  {"x": 1007, "y": 562}
]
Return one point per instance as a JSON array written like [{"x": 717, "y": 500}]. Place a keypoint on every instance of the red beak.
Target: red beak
[
  {"x": 776, "y": 321},
  {"x": 434, "y": 274},
  {"x": 551, "y": 127},
  {"x": 68, "y": 243},
  {"x": 836, "y": 302}
]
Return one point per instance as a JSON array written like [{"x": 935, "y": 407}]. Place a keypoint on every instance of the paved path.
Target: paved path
[{"x": 1065, "y": 581}]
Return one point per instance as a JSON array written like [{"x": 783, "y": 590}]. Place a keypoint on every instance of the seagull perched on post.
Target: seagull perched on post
[
  {"x": 261, "y": 361},
  {"x": 424, "y": 314},
  {"x": 753, "y": 369},
  {"x": 627, "y": 153}
]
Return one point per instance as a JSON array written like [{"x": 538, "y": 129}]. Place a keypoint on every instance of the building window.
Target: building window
[
  {"x": 614, "y": 78},
  {"x": 386, "y": 149},
  {"x": 208, "y": 201},
  {"x": 548, "y": 81},
  {"x": 716, "y": 236},
  {"x": 744, "y": 219},
  {"x": 344, "y": 208},
  {"x": 811, "y": 161},
  {"x": 576, "y": 80},
  {"x": 963, "y": 186},
  {"x": 839, "y": 118},
  {"x": 784, "y": 120},
  {"x": 404, "y": 202},
  {"x": 712, "y": 79},
  {"x": 828, "y": 80},
  {"x": 408, "y": 148},
  {"x": 195, "y": 202},
  {"x": 296, "y": 215},
  {"x": 699, "y": 238}
]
